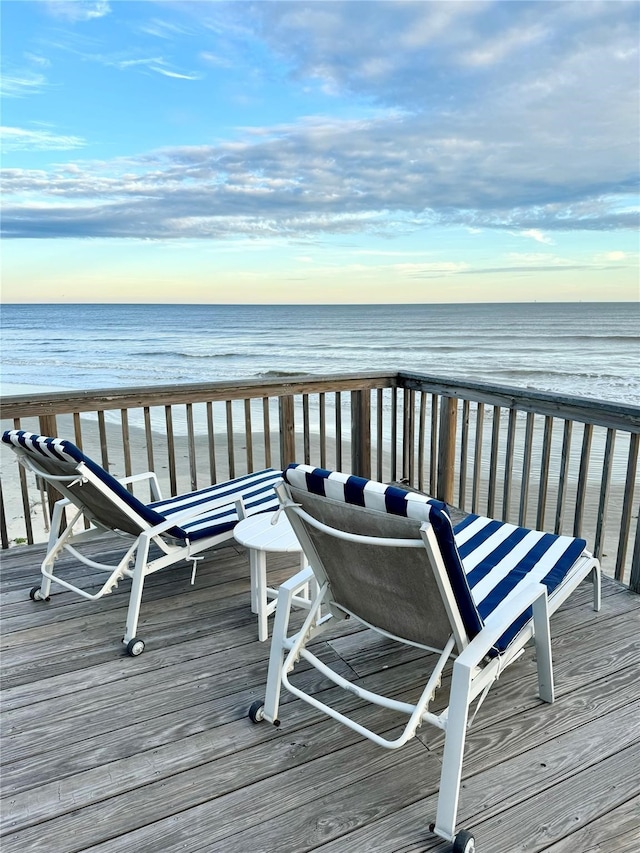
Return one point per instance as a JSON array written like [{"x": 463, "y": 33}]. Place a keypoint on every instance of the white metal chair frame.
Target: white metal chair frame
[
  {"x": 135, "y": 562},
  {"x": 473, "y": 671}
]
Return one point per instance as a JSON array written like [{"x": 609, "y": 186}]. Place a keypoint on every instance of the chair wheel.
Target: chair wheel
[
  {"x": 464, "y": 842},
  {"x": 35, "y": 594},
  {"x": 135, "y": 647},
  {"x": 256, "y": 711}
]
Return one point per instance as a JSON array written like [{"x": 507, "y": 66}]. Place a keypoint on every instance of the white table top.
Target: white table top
[{"x": 259, "y": 533}]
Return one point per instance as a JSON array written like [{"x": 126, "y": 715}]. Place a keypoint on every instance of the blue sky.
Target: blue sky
[{"x": 320, "y": 151}]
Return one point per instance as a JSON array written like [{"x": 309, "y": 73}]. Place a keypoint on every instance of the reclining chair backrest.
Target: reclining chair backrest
[
  {"x": 395, "y": 589},
  {"x": 54, "y": 457},
  {"x": 498, "y": 557},
  {"x": 108, "y": 504}
]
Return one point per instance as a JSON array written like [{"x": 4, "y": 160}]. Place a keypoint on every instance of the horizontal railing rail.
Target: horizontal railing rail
[{"x": 535, "y": 458}]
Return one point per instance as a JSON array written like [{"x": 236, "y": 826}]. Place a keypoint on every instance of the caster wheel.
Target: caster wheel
[
  {"x": 135, "y": 647},
  {"x": 464, "y": 842},
  {"x": 256, "y": 711},
  {"x": 35, "y": 594}
]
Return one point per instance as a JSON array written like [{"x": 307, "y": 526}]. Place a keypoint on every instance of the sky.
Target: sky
[{"x": 319, "y": 152}]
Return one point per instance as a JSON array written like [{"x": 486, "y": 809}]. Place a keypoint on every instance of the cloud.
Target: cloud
[
  {"x": 18, "y": 84},
  {"x": 154, "y": 63},
  {"x": 513, "y": 116},
  {"x": 494, "y": 51},
  {"x": 607, "y": 257},
  {"x": 429, "y": 52},
  {"x": 431, "y": 270},
  {"x": 78, "y": 10},
  {"x": 19, "y": 139},
  {"x": 37, "y": 59},
  {"x": 385, "y": 175},
  {"x": 537, "y": 235},
  {"x": 164, "y": 29},
  {"x": 166, "y": 73},
  {"x": 215, "y": 60},
  {"x": 527, "y": 268}
]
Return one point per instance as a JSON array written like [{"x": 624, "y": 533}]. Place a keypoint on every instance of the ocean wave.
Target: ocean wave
[
  {"x": 171, "y": 354},
  {"x": 516, "y": 373},
  {"x": 281, "y": 374}
]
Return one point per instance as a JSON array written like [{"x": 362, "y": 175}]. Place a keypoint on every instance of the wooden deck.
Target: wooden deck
[{"x": 106, "y": 753}]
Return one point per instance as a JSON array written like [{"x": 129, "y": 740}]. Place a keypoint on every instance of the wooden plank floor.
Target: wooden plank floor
[{"x": 106, "y": 753}]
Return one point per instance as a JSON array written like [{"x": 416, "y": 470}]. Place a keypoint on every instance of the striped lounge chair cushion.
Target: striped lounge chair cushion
[
  {"x": 485, "y": 559},
  {"x": 255, "y": 489},
  {"x": 497, "y": 556}
]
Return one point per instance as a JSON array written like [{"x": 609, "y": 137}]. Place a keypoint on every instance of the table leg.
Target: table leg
[
  {"x": 261, "y": 593},
  {"x": 260, "y": 603}
]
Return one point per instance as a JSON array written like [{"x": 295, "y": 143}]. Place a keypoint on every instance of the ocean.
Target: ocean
[{"x": 582, "y": 349}]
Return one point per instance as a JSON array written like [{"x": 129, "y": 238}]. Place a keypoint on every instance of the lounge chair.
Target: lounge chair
[
  {"x": 474, "y": 594},
  {"x": 181, "y": 527}
]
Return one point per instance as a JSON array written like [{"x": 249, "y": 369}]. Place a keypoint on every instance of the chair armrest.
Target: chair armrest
[
  {"x": 497, "y": 623},
  {"x": 154, "y": 486},
  {"x": 63, "y": 502},
  {"x": 298, "y": 580}
]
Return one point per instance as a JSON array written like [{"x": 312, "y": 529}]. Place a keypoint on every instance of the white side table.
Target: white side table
[{"x": 261, "y": 536}]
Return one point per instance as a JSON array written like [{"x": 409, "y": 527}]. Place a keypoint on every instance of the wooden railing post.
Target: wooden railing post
[
  {"x": 634, "y": 579},
  {"x": 361, "y": 433},
  {"x": 447, "y": 448},
  {"x": 48, "y": 426},
  {"x": 625, "y": 521},
  {"x": 408, "y": 435},
  {"x": 287, "y": 430}
]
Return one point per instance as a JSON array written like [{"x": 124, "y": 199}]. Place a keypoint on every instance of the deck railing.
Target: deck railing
[{"x": 538, "y": 459}]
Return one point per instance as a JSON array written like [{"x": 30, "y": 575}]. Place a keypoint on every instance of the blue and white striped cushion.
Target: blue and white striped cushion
[
  {"x": 497, "y": 556},
  {"x": 256, "y": 489},
  {"x": 358, "y": 491},
  {"x": 485, "y": 559}
]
